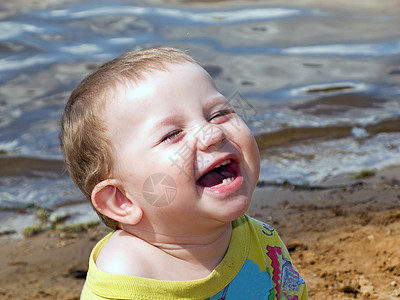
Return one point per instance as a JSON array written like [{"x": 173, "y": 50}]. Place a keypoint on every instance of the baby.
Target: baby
[{"x": 169, "y": 165}]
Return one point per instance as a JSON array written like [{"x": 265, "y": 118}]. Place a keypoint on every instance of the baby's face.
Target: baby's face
[{"x": 176, "y": 133}]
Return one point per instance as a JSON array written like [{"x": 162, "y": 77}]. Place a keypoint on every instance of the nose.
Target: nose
[{"x": 210, "y": 135}]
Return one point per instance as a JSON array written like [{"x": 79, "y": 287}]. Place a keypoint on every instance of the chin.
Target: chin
[{"x": 235, "y": 210}]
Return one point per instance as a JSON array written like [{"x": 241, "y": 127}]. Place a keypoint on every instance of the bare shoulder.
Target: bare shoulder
[{"x": 124, "y": 254}]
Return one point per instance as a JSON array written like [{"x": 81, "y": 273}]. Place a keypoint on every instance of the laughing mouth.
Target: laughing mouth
[{"x": 223, "y": 173}]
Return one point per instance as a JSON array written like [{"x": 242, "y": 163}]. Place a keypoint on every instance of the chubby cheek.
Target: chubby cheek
[
  {"x": 251, "y": 154},
  {"x": 178, "y": 161},
  {"x": 255, "y": 159},
  {"x": 171, "y": 176}
]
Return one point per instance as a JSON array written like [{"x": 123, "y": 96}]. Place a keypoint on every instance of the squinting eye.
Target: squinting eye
[
  {"x": 170, "y": 136},
  {"x": 221, "y": 116}
]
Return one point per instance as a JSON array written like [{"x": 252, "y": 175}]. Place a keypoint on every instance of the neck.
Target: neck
[{"x": 205, "y": 251}]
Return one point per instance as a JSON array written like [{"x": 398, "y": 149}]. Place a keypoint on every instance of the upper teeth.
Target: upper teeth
[{"x": 225, "y": 162}]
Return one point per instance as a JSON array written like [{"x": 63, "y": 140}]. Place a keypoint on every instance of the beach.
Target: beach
[
  {"x": 317, "y": 83},
  {"x": 343, "y": 237}
]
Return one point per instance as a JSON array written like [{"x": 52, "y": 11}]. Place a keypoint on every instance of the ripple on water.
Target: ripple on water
[{"x": 321, "y": 95}]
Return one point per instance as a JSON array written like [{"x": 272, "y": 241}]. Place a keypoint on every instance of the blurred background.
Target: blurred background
[{"x": 318, "y": 83}]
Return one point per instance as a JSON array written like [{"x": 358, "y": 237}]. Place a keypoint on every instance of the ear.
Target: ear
[{"x": 109, "y": 200}]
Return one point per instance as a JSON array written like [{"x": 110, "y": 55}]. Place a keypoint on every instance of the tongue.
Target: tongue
[{"x": 216, "y": 176}]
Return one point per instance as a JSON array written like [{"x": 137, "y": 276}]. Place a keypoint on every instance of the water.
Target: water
[{"x": 317, "y": 83}]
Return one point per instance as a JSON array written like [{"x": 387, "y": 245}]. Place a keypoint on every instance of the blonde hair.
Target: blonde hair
[{"x": 83, "y": 136}]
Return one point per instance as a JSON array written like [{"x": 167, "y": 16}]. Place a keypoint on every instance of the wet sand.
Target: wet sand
[{"x": 343, "y": 237}]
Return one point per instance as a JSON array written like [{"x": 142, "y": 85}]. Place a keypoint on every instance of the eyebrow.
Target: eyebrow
[
  {"x": 166, "y": 121},
  {"x": 216, "y": 101},
  {"x": 178, "y": 118}
]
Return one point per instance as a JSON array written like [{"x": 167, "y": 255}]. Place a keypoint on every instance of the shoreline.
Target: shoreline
[{"x": 343, "y": 240}]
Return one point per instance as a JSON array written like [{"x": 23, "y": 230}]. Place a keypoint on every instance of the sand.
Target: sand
[{"x": 344, "y": 238}]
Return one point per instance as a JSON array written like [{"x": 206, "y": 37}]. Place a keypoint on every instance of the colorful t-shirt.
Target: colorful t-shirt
[{"x": 257, "y": 265}]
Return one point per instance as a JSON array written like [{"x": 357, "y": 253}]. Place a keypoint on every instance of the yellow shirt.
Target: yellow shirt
[{"x": 257, "y": 265}]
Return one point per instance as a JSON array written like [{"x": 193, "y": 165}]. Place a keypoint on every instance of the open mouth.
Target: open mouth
[{"x": 224, "y": 173}]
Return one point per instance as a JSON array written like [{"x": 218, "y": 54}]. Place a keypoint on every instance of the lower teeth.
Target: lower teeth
[{"x": 227, "y": 180}]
